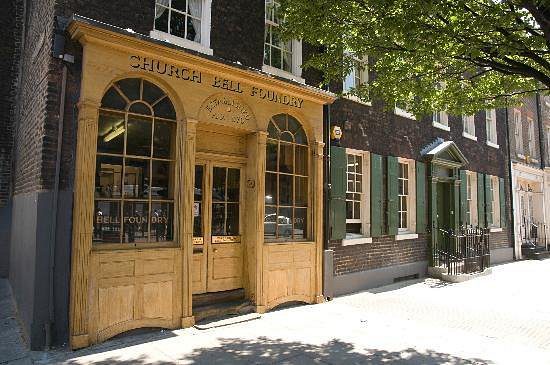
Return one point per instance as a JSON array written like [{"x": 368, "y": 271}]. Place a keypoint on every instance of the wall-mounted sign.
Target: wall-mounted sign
[
  {"x": 226, "y": 109},
  {"x": 226, "y": 239},
  {"x": 196, "y": 209}
]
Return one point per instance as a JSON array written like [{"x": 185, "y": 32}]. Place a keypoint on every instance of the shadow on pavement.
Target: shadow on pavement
[{"x": 275, "y": 351}]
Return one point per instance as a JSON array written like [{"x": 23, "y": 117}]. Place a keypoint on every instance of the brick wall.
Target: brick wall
[
  {"x": 10, "y": 42},
  {"x": 382, "y": 252},
  {"x": 528, "y": 110}
]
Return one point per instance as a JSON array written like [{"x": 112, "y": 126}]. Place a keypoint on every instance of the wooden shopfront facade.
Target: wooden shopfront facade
[{"x": 192, "y": 176}]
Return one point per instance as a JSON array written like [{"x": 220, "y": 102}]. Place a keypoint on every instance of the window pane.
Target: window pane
[
  {"x": 140, "y": 108},
  {"x": 177, "y": 24},
  {"x": 161, "y": 187},
  {"x": 218, "y": 219},
  {"x": 162, "y": 222},
  {"x": 194, "y": 8},
  {"x": 131, "y": 88},
  {"x": 107, "y": 222},
  {"x": 270, "y": 222},
  {"x": 285, "y": 189},
  {"x": 271, "y": 156},
  {"x": 138, "y": 140},
  {"x": 273, "y": 131},
  {"x": 232, "y": 224},
  {"x": 301, "y": 192},
  {"x": 300, "y": 223},
  {"x": 110, "y": 133},
  {"x": 136, "y": 179},
  {"x": 287, "y": 61},
  {"x": 135, "y": 222},
  {"x": 349, "y": 209},
  {"x": 198, "y": 203},
  {"x": 300, "y": 137},
  {"x": 356, "y": 210},
  {"x": 161, "y": 19},
  {"x": 218, "y": 184},
  {"x": 113, "y": 100},
  {"x": 276, "y": 57},
  {"x": 301, "y": 160},
  {"x": 270, "y": 188},
  {"x": 284, "y": 223},
  {"x": 179, "y": 5},
  {"x": 286, "y": 158},
  {"x": 151, "y": 92},
  {"x": 108, "y": 180},
  {"x": 233, "y": 185},
  {"x": 199, "y": 174},
  {"x": 163, "y": 139},
  {"x": 165, "y": 109},
  {"x": 193, "y": 29}
]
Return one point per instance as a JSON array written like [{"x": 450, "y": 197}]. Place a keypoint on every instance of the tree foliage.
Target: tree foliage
[{"x": 454, "y": 55}]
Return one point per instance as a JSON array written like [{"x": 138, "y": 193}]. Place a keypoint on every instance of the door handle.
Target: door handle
[{"x": 215, "y": 250}]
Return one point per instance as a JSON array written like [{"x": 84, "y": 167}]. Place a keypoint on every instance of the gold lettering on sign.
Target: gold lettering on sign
[
  {"x": 226, "y": 84},
  {"x": 276, "y": 97},
  {"x": 225, "y": 109},
  {"x": 163, "y": 68},
  {"x": 226, "y": 239},
  {"x": 198, "y": 240}
]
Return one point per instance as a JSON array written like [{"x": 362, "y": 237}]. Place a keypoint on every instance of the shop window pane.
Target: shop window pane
[
  {"x": 163, "y": 141},
  {"x": 165, "y": 109},
  {"x": 284, "y": 223},
  {"x": 162, "y": 222},
  {"x": 161, "y": 19},
  {"x": 136, "y": 179},
  {"x": 161, "y": 187},
  {"x": 285, "y": 189},
  {"x": 301, "y": 160},
  {"x": 199, "y": 174},
  {"x": 300, "y": 223},
  {"x": 270, "y": 188},
  {"x": 131, "y": 88},
  {"x": 107, "y": 222},
  {"x": 300, "y": 137},
  {"x": 287, "y": 137},
  {"x": 232, "y": 222},
  {"x": 108, "y": 178},
  {"x": 286, "y": 158},
  {"x": 110, "y": 133},
  {"x": 151, "y": 93},
  {"x": 197, "y": 219},
  {"x": 301, "y": 191},
  {"x": 293, "y": 125},
  {"x": 270, "y": 222},
  {"x": 218, "y": 219},
  {"x": 218, "y": 184},
  {"x": 140, "y": 108},
  {"x": 113, "y": 100},
  {"x": 136, "y": 227},
  {"x": 273, "y": 131},
  {"x": 271, "y": 156},
  {"x": 233, "y": 184},
  {"x": 138, "y": 140},
  {"x": 280, "y": 121},
  {"x": 177, "y": 24},
  {"x": 198, "y": 203}
]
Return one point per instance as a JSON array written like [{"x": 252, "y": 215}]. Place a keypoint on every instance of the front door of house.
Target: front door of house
[
  {"x": 217, "y": 239},
  {"x": 444, "y": 206}
]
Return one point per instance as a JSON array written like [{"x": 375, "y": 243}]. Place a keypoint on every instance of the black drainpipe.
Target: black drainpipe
[
  {"x": 326, "y": 184},
  {"x": 510, "y": 182},
  {"x": 542, "y": 148}
]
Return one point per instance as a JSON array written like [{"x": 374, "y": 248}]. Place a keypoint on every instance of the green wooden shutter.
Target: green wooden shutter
[
  {"x": 392, "y": 187},
  {"x": 338, "y": 181},
  {"x": 488, "y": 201},
  {"x": 376, "y": 181},
  {"x": 480, "y": 200},
  {"x": 420, "y": 197},
  {"x": 463, "y": 198},
  {"x": 501, "y": 196}
]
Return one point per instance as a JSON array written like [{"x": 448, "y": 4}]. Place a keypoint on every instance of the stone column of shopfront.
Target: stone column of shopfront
[
  {"x": 261, "y": 142},
  {"x": 317, "y": 148}
]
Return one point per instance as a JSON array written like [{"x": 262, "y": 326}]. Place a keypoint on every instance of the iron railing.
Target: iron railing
[
  {"x": 533, "y": 233},
  {"x": 462, "y": 251}
]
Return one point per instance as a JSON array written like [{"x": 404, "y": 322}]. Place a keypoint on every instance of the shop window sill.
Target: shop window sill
[
  {"x": 356, "y": 241},
  {"x": 406, "y": 236},
  {"x": 442, "y": 126},
  {"x": 491, "y": 144},
  {"x": 496, "y": 229},
  {"x": 469, "y": 136},
  {"x": 270, "y": 243}
]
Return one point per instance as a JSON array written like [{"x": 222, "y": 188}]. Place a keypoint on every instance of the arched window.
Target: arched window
[
  {"x": 134, "y": 180},
  {"x": 286, "y": 180}
]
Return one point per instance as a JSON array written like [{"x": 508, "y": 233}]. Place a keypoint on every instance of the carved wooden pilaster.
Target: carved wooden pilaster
[
  {"x": 261, "y": 142},
  {"x": 186, "y": 141},
  {"x": 83, "y": 213},
  {"x": 317, "y": 148}
]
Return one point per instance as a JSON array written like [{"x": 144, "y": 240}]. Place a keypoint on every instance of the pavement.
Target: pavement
[
  {"x": 503, "y": 318},
  {"x": 13, "y": 349}
]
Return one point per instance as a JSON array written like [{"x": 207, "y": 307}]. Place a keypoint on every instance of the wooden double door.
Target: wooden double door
[{"x": 217, "y": 226}]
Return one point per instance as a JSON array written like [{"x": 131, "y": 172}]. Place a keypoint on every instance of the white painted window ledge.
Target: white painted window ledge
[
  {"x": 491, "y": 144},
  {"x": 281, "y": 73},
  {"x": 357, "y": 99},
  {"x": 182, "y": 42},
  {"x": 496, "y": 229},
  {"x": 356, "y": 241},
  {"x": 404, "y": 113},
  {"x": 469, "y": 136},
  {"x": 406, "y": 236},
  {"x": 442, "y": 126}
]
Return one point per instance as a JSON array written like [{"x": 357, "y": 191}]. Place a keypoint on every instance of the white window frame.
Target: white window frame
[
  {"x": 548, "y": 142},
  {"x": 491, "y": 127},
  {"x": 518, "y": 133},
  {"x": 471, "y": 185},
  {"x": 531, "y": 144},
  {"x": 411, "y": 199},
  {"x": 350, "y": 81},
  {"x": 469, "y": 127},
  {"x": 441, "y": 120},
  {"x": 365, "y": 236},
  {"x": 495, "y": 201},
  {"x": 403, "y": 112},
  {"x": 296, "y": 56},
  {"x": 206, "y": 25}
]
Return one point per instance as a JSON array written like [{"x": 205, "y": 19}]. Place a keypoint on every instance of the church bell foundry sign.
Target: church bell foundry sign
[{"x": 220, "y": 109}]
